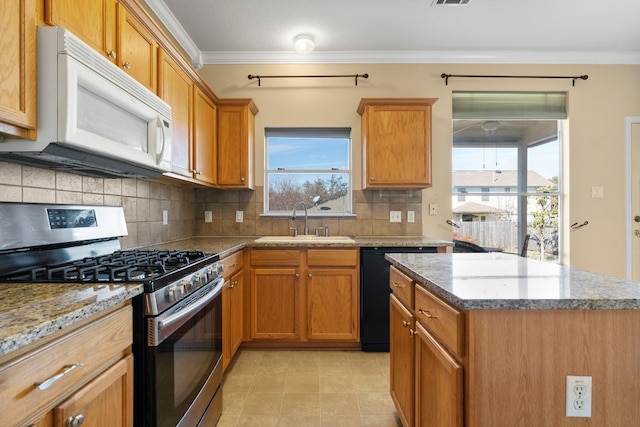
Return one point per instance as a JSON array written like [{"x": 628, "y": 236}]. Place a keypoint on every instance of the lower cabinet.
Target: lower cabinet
[
  {"x": 232, "y": 306},
  {"x": 426, "y": 379},
  {"x": 84, "y": 377},
  {"x": 304, "y": 295}
]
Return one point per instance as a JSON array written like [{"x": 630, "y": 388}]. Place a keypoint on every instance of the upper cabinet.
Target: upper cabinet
[
  {"x": 396, "y": 142},
  {"x": 18, "y": 68},
  {"x": 107, "y": 27},
  {"x": 175, "y": 87},
  {"x": 236, "y": 129},
  {"x": 205, "y": 127}
]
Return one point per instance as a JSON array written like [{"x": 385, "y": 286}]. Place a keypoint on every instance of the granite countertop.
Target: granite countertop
[
  {"x": 402, "y": 241},
  {"x": 480, "y": 281},
  {"x": 30, "y": 311}
]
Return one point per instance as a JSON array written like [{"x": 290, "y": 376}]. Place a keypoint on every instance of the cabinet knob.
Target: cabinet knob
[
  {"x": 112, "y": 54},
  {"x": 242, "y": 179},
  {"x": 405, "y": 323},
  {"x": 412, "y": 332},
  {"x": 126, "y": 65},
  {"x": 371, "y": 178},
  {"x": 310, "y": 275},
  {"x": 297, "y": 275},
  {"x": 75, "y": 421}
]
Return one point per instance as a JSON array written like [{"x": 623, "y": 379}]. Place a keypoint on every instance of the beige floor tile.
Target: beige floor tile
[
  {"x": 301, "y": 404},
  {"x": 232, "y": 402},
  {"x": 341, "y": 421},
  {"x": 333, "y": 404},
  {"x": 299, "y": 421},
  {"x": 227, "y": 420},
  {"x": 381, "y": 421},
  {"x": 336, "y": 384},
  {"x": 237, "y": 383},
  {"x": 305, "y": 383},
  {"x": 257, "y": 421},
  {"x": 335, "y": 368},
  {"x": 375, "y": 404},
  {"x": 268, "y": 384},
  {"x": 262, "y": 404},
  {"x": 371, "y": 383},
  {"x": 273, "y": 368}
]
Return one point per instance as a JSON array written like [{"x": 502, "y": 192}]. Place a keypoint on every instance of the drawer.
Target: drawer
[
  {"x": 275, "y": 257},
  {"x": 445, "y": 322},
  {"x": 97, "y": 346},
  {"x": 401, "y": 286},
  {"x": 233, "y": 263},
  {"x": 332, "y": 257}
]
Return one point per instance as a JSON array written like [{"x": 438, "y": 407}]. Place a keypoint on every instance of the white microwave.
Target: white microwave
[{"x": 93, "y": 118}]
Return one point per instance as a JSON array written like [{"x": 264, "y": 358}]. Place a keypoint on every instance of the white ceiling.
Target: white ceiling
[{"x": 401, "y": 31}]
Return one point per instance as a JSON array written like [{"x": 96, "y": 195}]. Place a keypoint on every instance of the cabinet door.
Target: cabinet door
[
  {"x": 402, "y": 355},
  {"x": 175, "y": 88},
  {"x": 275, "y": 303},
  {"x": 232, "y": 317},
  {"x": 397, "y": 146},
  {"x": 332, "y": 304},
  {"x": 93, "y": 21},
  {"x": 137, "y": 50},
  {"x": 105, "y": 401},
  {"x": 205, "y": 138},
  {"x": 439, "y": 387},
  {"x": 18, "y": 68},
  {"x": 236, "y": 125}
]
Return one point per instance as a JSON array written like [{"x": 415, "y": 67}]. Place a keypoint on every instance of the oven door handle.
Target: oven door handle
[{"x": 192, "y": 308}]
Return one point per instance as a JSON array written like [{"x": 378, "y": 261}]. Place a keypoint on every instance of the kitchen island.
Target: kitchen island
[{"x": 508, "y": 331}]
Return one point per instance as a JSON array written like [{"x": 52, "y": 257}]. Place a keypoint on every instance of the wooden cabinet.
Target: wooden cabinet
[
  {"x": 18, "y": 68},
  {"x": 205, "y": 138},
  {"x": 236, "y": 132},
  {"x": 106, "y": 26},
  {"x": 94, "y": 22},
  {"x": 426, "y": 375},
  {"x": 396, "y": 142},
  {"x": 137, "y": 50},
  {"x": 402, "y": 358},
  {"x": 175, "y": 87},
  {"x": 304, "y": 295},
  {"x": 86, "y": 373},
  {"x": 232, "y": 306}
]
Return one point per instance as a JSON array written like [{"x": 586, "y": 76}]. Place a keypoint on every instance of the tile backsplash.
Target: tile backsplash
[{"x": 145, "y": 200}]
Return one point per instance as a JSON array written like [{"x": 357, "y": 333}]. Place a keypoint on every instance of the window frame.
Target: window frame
[{"x": 301, "y": 133}]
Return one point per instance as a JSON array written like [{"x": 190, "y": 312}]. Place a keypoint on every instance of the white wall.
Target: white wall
[{"x": 597, "y": 109}]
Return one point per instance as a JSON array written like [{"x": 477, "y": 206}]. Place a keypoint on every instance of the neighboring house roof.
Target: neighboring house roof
[
  {"x": 496, "y": 178},
  {"x": 474, "y": 208}
]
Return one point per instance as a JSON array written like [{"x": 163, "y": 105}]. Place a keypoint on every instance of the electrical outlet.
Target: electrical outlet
[
  {"x": 597, "y": 192},
  {"x": 433, "y": 209},
  {"x": 208, "y": 216},
  {"x": 165, "y": 217},
  {"x": 411, "y": 216},
  {"x": 395, "y": 216},
  {"x": 578, "y": 396},
  {"x": 239, "y": 216}
]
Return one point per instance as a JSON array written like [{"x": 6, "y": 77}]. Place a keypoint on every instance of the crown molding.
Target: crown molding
[
  {"x": 426, "y": 57},
  {"x": 168, "y": 19}
]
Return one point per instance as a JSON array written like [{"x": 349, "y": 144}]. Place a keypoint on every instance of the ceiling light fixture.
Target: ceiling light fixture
[{"x": 304, "y": 44}]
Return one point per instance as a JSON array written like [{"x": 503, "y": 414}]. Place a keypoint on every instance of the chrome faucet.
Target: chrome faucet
[{"x": 306, "y": 217}]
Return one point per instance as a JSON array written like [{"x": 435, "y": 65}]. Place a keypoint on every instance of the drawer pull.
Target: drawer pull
[
  {"x": 46, "y": 384},
  {"x": 75, "y": 421},
  {"x": 427, "y": 314},
  {"x": 397, "y": 285}
]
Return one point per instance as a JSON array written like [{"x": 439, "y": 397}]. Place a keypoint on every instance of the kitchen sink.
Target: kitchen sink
[{"x": 308, "y": 239}]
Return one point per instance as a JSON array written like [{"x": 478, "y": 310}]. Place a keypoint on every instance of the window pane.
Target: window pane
[
  {"x": 544, "y": 162},
  {"x": 307, "y": 153},
  {"x": 287, "y": 189},
  {"x": 542, "y": 227}
]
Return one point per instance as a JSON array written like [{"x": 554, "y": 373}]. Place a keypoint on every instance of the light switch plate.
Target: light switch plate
[
  {"x": 597, "y": 192},
  {"x": 165, "y": 217},
  {"x": 411, "y": 216},
  {"x": 395, "y": 216},
  {"x": 433, "y": 209},
  {"x": 208, "y": 216},
  {"x": 239, "y": 216}
]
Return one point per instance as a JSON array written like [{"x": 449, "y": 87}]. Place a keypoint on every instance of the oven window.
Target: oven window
[{"x": 184, "y": 361}]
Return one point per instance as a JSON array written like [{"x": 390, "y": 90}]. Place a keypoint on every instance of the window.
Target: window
[
  {"x": 312, "y": 165},
  {"x": 506, "y": 151},
  {"x": 462, "y": 194}
]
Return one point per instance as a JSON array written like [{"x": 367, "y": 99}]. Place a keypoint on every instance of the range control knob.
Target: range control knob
[
  {"x": 199, "y": 279},
  {"x": 176, "y": 292}
]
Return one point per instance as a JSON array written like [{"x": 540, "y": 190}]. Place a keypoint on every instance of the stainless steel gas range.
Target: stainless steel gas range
[{"x": 177, "y": 320}]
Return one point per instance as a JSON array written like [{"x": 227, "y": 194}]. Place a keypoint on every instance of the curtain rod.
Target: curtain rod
[
  {"x": 446, "y": 77},
  {"x": 364, "y": 76}
]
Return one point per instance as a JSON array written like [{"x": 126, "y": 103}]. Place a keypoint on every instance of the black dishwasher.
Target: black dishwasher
[{"x": 374, "y": 295}]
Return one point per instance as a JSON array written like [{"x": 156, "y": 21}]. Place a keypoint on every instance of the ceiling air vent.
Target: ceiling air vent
[{"x": 449, "y": 2}]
